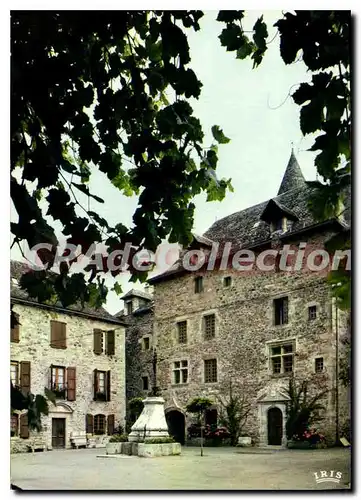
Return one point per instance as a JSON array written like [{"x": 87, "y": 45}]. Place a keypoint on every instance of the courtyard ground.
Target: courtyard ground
[{"x": 218, "y": 469}]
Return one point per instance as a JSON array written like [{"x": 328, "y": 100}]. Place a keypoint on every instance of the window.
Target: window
[
  {"x": 145, "y": 383},
  {"x": 146, "y": 343},
  {"x": 319, "y": 365},
  {"x": 101, "y": 385},
  {"x": 101, "y": 382},
  {"x": 182, "y": 332},
  {"x": 58, "y": 380},
  {"x": 279, "y": 225},
  {"x": 312, "y": 313},
  {"x": 129, "y": 306},
  {"x": 14, "y": 373},
  {"x": 180, "y": 372},
  {"x": 281, "y": 311},
  {"x": 227, "y": 281},
  {"x": 99, "y": 336},
  {"x": 198, "y": 284},
  {"x": 57, "y": 335},
  {"x": 209, "y": 326},
  {"x": 14, "y": 425},
  {"x": 210, "y": 370},
  {"x": 282, "y": 358},
  {"x": 99, "y": 424}
]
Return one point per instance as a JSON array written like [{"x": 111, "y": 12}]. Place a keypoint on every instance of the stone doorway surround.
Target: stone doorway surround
[
  {"x": 271, "y": 398},
  {"x": 61, "y": 410}
]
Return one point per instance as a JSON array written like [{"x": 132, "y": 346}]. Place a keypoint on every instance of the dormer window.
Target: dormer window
[
  {"x": 129, "y": 306},
  {"x": 279, "y": 225},
  {"x": 278, "y": 216}
]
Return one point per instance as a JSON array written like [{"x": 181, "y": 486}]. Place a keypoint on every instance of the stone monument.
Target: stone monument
[{"x": 151, "y": 423}]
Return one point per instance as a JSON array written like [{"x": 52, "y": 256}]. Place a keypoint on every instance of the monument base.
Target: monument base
[{"x": 151, "y": 422}]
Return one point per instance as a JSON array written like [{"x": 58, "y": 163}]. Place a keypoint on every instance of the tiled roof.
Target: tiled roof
[
  {"x": 293, "y": 176},
  {"x": 246, "y": 229},
  {"x": 137, "y": 293},
  {"x": 17, "y": 294}
]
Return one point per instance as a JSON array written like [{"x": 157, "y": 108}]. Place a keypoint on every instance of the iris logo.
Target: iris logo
[{"x": 324, "y": 476}]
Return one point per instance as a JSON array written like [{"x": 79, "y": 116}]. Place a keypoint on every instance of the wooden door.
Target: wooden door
[
  {"x": 275, "y": 426},
  {"x": 58, "y": 433}
]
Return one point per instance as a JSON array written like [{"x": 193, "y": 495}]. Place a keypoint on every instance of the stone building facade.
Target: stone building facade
[
  {"x": 77, "y": 353},
  {"x": 252, "y": 328}
]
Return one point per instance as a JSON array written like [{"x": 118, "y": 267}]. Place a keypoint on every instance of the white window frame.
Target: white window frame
[
  {"x": 183, "y": 367},
  {"x": 281, "y": 343}
]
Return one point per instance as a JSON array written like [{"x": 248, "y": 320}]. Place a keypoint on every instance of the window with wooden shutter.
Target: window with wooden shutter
[
  {"x": 57, "y": 384},
  {"x": 108, "y": 385},
  {"x": 98, "y": 341},
  {"x": 24, "y": 427},
  {"x": 15, "y": 332},
  {"x": 57, "y": 335},
  {"x": 99, "y": 424},
  {"x": 100, "y": 385},
  {"x": 110, "y": 342},
  {"x": 89, "y": 424},
  {"x": 71, "y": 383},
  {"x": 25, "y": 377},
  {"x": 110, "y": 425}
]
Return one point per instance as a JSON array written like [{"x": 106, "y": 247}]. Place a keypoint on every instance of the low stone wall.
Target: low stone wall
[
  {"x": 18, "y": 445},
  {"x": 146, "y": 450},
  {"x": 158, "y": 450}
]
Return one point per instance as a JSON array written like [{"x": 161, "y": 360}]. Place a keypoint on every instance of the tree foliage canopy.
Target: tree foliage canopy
[{"x": 105, "y": 90}]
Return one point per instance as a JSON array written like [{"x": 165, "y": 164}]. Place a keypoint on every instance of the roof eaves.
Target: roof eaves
[{"x": 108, "y": 319}]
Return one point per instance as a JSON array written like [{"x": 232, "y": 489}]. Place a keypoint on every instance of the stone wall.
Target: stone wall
[
  {"x": 245, "y": 330},
  {"x": 34, "y": 346},
  {"x": 138, "y": 360}
]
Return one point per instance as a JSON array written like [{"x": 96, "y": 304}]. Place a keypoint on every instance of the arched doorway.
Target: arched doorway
[
  {"x": 176, "y": 425},
  {"x": 275, "y": 426}
]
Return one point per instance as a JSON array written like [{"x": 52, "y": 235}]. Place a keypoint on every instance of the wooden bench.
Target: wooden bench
[{"x": 78, "y": 439}]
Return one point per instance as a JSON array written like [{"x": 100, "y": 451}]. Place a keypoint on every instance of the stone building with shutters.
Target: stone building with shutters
[
  {"x": 78, "y": 353},
  {"x": 245, "y": 326}
]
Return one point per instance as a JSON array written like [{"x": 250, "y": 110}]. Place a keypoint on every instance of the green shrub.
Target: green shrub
[
  {"x": 160, "y": 440},
  {"x": 118, "y": 438}
]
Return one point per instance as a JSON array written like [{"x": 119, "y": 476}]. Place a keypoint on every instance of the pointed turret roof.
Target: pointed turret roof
[{"x": 293, "y": 176}]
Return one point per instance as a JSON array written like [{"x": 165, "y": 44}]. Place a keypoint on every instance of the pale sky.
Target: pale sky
[{"x": 242, "y": 101}]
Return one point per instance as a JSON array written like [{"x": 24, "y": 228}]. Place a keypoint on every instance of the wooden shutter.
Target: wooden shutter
[
  {"x": 108, "y": 385},
  {"x": 110, "y": 425},
  {"x": 89, "y": 424},
  {"x": 24, "y": 427},
  {"x": 111, "y": 342},
  {"x": 62, "y": 335},
  {"x": 58, "y": 335},
  {"x": 15, "y": 332},
  {"x": 71, "y": 383},
  {"x": 95, "y": 382},
  {"x": 98, "y": 341},
  {"x": 25, "y": 377}
]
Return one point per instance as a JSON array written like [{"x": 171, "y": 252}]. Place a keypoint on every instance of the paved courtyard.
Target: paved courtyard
[{"x": 219, "y": 468}]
